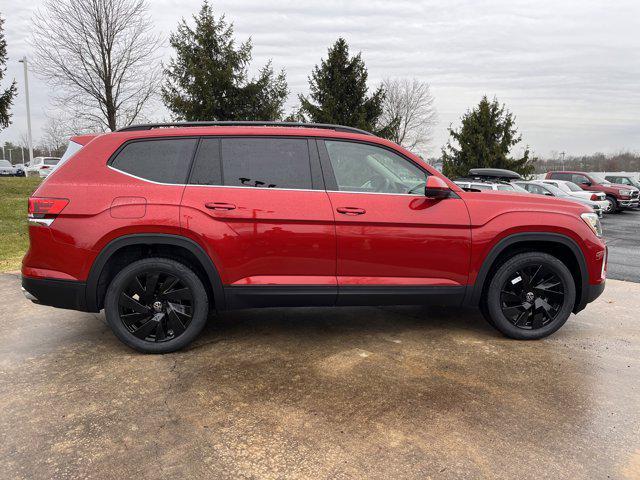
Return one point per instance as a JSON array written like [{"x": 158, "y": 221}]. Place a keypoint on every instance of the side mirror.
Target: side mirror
[
  {"x": 587, "y": 183},
  {"x": 436, "y": 188}
]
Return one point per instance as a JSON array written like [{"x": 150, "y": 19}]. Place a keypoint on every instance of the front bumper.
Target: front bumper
[
  {"x": 629, "y": 203},
  {"x": 55, "y": 293}
]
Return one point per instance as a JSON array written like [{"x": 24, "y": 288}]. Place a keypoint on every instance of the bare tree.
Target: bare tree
[
  {"x": 100, "y": 55},
  {"x": 409, "y": 106},
  {"x": 56, "y": 136}
]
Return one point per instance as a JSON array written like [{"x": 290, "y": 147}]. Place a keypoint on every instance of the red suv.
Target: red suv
[
  {"x": 160, "y": 224},
  {"x": 618, "y": 196}
]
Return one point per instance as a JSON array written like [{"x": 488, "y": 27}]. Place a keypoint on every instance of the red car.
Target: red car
[
  {"x": 160, "y": 224},
  {"x": 618, "y": 196}
]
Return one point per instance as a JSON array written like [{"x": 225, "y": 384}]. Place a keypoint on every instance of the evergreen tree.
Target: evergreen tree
[
  {"x": 6, "y": 97},
  {"x": 338, "y": 92},
  {"x": 208, "y": 79},
  {"x": 484, "y": 140}
]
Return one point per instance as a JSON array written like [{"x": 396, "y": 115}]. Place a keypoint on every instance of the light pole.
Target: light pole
[
  {"x": 23, "y": 61},
  {"x": 562, "y": 153}
]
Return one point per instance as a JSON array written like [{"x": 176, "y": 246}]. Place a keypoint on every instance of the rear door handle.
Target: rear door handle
[
  {"x": 220, "y": 206},
  {"x": 351, "y": 210}
]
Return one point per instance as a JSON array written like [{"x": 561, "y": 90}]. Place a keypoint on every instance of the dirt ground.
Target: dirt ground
[{"x": 376, "y": 393}]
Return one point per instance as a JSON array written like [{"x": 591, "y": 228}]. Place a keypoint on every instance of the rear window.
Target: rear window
[
  {"x": 561, "y": 176},
  {"x": 164, "y": 161},
  {"x": 51, "y": 161},
  {"x": 266, "y": 162}
]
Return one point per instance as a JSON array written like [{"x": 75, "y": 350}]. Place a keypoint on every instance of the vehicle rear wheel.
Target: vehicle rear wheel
[
  {"x": 530, "y": 296},
  {"x": 156, "y": 305}
]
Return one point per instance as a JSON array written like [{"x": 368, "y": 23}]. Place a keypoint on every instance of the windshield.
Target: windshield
[
  {"x": 600, "y": 179},
  {"x": 71, "y": 150},
  {"x": 554, "y": 190},
  {"x": 572, "y": 186},
  {"x": 51, "y": 161}
]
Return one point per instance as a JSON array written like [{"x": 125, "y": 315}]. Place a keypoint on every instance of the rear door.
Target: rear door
[
  {"x": 259, "y": 206},
  {"x": 394, "y": 244}
]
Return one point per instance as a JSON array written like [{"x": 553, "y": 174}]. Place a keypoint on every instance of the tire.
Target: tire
[
  {"x": 613, "y": 204},
  {"x": 537, "y": 280},
  {"x": 156, "y": 316}
]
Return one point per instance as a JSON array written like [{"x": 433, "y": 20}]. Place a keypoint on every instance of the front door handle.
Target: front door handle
[
  {"x": 351, "y": 210},
  {"x": 220, "y": 206}
]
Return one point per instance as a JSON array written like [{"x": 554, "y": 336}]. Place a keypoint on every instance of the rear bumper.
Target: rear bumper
[{"x": 56, "y": 293}]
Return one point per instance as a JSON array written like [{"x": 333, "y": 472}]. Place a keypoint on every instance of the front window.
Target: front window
[{"x": 360, "y": 167}]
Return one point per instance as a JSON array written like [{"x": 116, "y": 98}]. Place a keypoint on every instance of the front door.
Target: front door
[
  {"x": 393, "y": 241},
  {"x": 259, "y": 207}
]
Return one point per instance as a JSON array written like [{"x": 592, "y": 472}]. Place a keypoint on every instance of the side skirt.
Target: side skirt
[{"x": 261, "y": 296}]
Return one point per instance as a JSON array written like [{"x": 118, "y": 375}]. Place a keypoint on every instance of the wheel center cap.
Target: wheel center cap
[
  {"x": 157, "y": 306},
  {"x": 530, "y": 297}
]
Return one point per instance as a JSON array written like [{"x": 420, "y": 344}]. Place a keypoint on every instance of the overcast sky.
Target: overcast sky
[{"x": 568, "y": 70}]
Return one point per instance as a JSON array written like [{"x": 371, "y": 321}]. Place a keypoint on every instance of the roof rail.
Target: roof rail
[{"x": 248, "y": 123}]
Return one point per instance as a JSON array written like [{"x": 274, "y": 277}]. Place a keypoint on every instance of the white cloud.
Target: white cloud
[{"x": 568, "y": 70}]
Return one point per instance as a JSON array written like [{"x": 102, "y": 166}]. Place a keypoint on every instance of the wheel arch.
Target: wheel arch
[
  {"x": 557, "y": 244},
  {"x": 159, "y": 244}
]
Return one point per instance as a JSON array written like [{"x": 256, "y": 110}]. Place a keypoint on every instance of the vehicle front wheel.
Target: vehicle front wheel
[
  {"x": 612, "y": 204},
  {"x": 530, "y": 296},
  {"x": 156, "y": 305}
]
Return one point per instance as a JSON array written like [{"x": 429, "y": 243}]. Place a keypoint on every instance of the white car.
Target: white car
[
  {"x": 41, "y": 166},
  {"x": 7, "y": 169},
  {"x": 478, "y": 185},
  {"x": 575, "y": 191}
]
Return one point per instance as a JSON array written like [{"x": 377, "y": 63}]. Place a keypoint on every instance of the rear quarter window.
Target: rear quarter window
[{"x": 162, "y": 160}]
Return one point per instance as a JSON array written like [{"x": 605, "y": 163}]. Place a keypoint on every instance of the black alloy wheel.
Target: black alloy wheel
[
  {"x": 532, "y": 297},
  {"x": 156, "y": 305}
]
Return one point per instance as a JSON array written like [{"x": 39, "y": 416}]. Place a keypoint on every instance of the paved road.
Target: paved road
[
  {"x": 372, "y": 393},
  {"x": 622, "y": 233}
]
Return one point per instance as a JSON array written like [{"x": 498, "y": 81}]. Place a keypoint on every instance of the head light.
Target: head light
[
  {"x": 625, "y": 192},
  {"x": 593, "y": 221}
]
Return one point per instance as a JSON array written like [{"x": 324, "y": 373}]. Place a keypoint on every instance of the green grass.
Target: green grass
[{"x": 14, "y": 234}]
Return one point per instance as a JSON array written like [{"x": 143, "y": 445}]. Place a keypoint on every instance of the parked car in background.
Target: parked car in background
[
  {"x": 20, "y": 169},
  {"x": 540, "y": 188},
  {"x": 7, "y": 169},
  {"x": 574, "y": 190},
  {"x": 488, "y": 185},
  {"x": 623, "y": 180},
  {"x": 41, "y": 166},
  {"x": 160, "y": 224},
  {"x": 618, "y": 196}
]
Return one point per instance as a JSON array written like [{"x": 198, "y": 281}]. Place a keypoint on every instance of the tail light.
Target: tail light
[
  {"x": 43, "y": 211},
  {"x": 594, "y": 197}
]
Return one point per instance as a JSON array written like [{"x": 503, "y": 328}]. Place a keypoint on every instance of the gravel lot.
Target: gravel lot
[{"x": 622, "y": 233}]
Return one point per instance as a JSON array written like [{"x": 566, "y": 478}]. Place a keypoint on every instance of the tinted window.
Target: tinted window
[
  {"x": 360, "y": 167},
  {"x": 165, "y": 161},
  {"x": 51, "y": 161},
  {"x": 561, "y": 176},
  {"x": 266, "y": 162},
  {"x": 206, "y": 169},
  {"x": 575, "y": 178}
]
